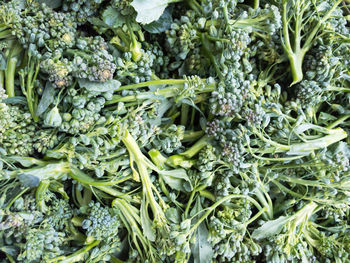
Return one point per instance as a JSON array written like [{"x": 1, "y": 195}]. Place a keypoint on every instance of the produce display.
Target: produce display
[{"x": 175, "y": 131}]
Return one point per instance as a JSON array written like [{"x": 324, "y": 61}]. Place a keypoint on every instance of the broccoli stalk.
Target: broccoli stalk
[
  {"x": 299, "y": 149},
  {"x": 131, "y": 218},
  {"x": 28, "y": 77},
  {"x": 296, "y": 40},
  {"x": 128, "y": 42},
  {"x": 77, "y": 256},
  {"x": 184, "y": 159},
  {"x": 186, "y": 237},
  {"x": 177, "y": 89},
  {"x": 13, "y": 56},
  {"x": 142, "y": 174}
]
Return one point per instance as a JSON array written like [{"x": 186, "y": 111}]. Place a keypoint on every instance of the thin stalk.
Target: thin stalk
[
  {"x": 339, "y": 121},
  {"x": 256, "y": 4},
  {"x": 169, "y": 92},
  {"x": 40, "y": 195},
  {"x": 210, "y": 55},
  {"x": 2, "y": 79},
  {"x": 218, "y": 203},
  {"x": 78, "y": 256},
  {"x": 184, "y": 114},
  {"x": 85, "y": 179},
  {"x": 256, "y": 216},
  {"x": 208, "y": 195},
  {"x": 189, "y": 202},
  {"x": 204, "y": 141},
  {"x": 153, "y": 82},
  {"x": 190, "y": 136},
  {"x": 10, "y": 77},
  {"x": 137, "y": 156}
]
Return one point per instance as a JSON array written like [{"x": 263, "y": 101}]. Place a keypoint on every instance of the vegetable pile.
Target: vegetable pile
[{"x": 200, "y": 131}]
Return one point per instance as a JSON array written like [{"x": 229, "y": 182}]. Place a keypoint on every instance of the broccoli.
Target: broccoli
[{"x": 179, "y": 131}]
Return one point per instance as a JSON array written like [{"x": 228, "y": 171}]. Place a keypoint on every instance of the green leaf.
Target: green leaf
[
  {"x": 3, "y": 61},
  {"x": 25, "y": 161},
  {"x": 176, "y": 179},
  {"x": 109, "y": 85},
  {"x": 162, "y": 24},
  {"x": 51, "y": 3},
  {"x": 10, "y": 250},
  {"x": 53, "y": 118},
  {"x": 202, "y": 251},
  {"x": 47, "y": 98},
  {"x": 270, "y": 228},
  {"x": 17, "y": 100},
  {"x": 28, "y": 180},
  {"x": 173, "y": 215},
  {"x": 113, "y": 18},
  {"x": 149, "y": 10},
  {"x": 50, "y": 171},
  {"x": 146, "y": 222}
]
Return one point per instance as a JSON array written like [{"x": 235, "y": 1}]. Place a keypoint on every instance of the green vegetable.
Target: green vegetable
[{"x": 186, "y": 131}]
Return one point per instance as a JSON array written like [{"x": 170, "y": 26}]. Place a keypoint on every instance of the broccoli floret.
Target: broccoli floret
[{"x": 101, "y": 223}]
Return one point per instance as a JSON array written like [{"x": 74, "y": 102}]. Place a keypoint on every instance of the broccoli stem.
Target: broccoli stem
[
  {"x": 40, "y": 194},
  {"x": 303, "y": 196},
  {"x": 184, "y": 114},
  {"x": 16, "y": 197},
  {"x": 134, "y": 45},
  {"x": 205, "y": 140},
  {"x": 85, "y": 179},
  {"x": 78, "y": 256},
  {"x": 153, "y": 82},
  {"x": 137, "y": 156},
  {"x": 342, "y": 186},
  {"x": 10, "y": 77},
  {"x": 30, "y": 91},
  {"x": 194, "y": 5},
  {"x": 189, "y": 202},
  {"x": 208, "y": 195},
  {"x": 5, "y": 33},
  {"x": 209, "y": 54},
  {"x": 2, "y": 79},
  {"x": 131, "y": 220},
  {"x": 334, "y": 135},
  {"x": 339, "y": 121},
  {"x": 218, "y": 203},
  {"x": 159, "y": 160},
  {"x": 10, "y": 258},
  {"x": 296, "y": 63},
  {"x": 256, "y": 4},
  {"x": 169, "y": 92},
  {"x": 297, "y": 52},
  {"x": 190, "y": 136}
]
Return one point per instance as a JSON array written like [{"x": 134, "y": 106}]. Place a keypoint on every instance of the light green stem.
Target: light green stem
[
  {"x": 77, "y": 256},
  {"x": 10, "y": 77}
]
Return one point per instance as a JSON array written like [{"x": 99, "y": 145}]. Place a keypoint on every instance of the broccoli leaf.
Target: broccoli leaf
[
  {"x": 46, "y": 99},
  {"x": 162, "y": 24},
  {"x": 176, "y": 179},
  {"x": 113, "y": 18},
  {"x": 146, "y": 222},
  {"x": 270, "y": 228},
  {"x": 51, "y": 3},
  {"x": 202, "y": 251},
  {"x": 28, "y": 180},
  {"x": 110, "y": 85},
  {"x": 150, "y": 10},
  {"x": 3, "y": 61}
]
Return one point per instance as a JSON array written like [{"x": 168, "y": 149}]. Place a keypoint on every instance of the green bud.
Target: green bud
[
  {"x": 186, "y": 224},
  {"x": 181, "y": 239},
  {"x": 53, "y": 118},
  {"x": 67, "y": 116}
]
